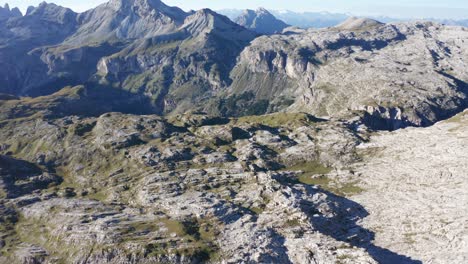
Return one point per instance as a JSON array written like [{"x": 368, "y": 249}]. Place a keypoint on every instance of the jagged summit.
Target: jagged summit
[
  {"x": 261, "y": 21},
  {"x": 128, "y": 19},
  {"x": 142, "y": 6},
  {"x": 356, "y": 23},
  {"x": 6, "y": 12}
]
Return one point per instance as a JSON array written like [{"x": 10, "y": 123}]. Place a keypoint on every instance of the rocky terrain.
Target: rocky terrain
[
  {"x": 416, "y": 182},
  {"x": 122, "y": 188},
  {"x": 260, "y": 21},
  {"x": 136, "y": 132}
]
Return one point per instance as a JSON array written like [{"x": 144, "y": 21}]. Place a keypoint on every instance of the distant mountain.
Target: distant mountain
[
  {"x": 128, "y": 19},
  {"x": 326, "y": 19},
  {"x": 6, "y": 13},
  {"x": 261, "y": 21},
  {"x": 303, "y": 20},
  {"x": 310, "y": 19},
  {"x": 355, "y": 23}
]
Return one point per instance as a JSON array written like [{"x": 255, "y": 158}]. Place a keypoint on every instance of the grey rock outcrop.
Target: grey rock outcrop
[
  {"x": 22, "y": 70},
  {"x": 261, "y": 21},
  {"x": 121, "y": 19},
  {"x": 123, "y": 188}
]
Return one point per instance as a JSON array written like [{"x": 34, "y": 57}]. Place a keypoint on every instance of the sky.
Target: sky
[{"x": 453, "y": 9}]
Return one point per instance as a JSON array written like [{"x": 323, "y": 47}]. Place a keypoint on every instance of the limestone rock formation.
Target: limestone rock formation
[{"x": 127, "y": 19}]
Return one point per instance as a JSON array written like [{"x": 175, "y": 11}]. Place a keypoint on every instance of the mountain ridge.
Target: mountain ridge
[{"x": 136, "y": 132}]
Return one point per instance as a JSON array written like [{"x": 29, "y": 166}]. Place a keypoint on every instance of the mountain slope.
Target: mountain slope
[
  {"x": 394, "y": 74},
  {"x": 179, "y": 69},
  {"x": 131, "y": 19},
  {"x": 261, "y": 21},
  {"x": 201, "y": 61},
  {"x": 21, "y": 68},
  {"x": 158, "y": 136}
]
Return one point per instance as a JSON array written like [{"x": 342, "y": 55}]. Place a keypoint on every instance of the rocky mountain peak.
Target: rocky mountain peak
[
  {"x": 123, "y": 4},
  {"x": 206, "y": 19},
  {"x": 261, "y": 21},
  {"x": 146, "y": 7},
  {"x": 6, "y": 12},
  {"x": 128, "y": 19},
  {"x": 356, "y": 23}
]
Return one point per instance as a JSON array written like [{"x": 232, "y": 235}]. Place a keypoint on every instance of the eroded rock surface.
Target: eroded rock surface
[
  {"x": 415, "y": 183},
  {"x": 123, "y": 188}
]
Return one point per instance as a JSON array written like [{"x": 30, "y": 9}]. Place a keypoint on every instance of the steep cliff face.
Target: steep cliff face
[
  {"x": 401, "y": 74},
  {"x": 261, "y": 21}
]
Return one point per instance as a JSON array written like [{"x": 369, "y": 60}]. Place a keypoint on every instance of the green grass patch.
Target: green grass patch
[
  {"x": 293, "y": 223},
  {"x": 311, "y": 180},
  {"x": 256, "y": 210}
]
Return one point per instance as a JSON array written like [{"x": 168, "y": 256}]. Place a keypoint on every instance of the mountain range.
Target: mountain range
[
  {"x": 175, "y": 61},
  {"x": 137, "y": 132},
  {"x": 328, "y": 19}
]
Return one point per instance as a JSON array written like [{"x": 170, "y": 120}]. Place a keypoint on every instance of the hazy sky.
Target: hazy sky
[{"x": 393, "y": 8}]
